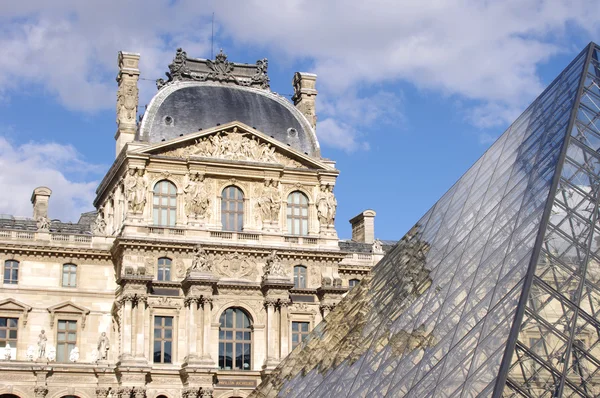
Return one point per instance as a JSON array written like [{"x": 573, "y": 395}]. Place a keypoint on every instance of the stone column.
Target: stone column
[
  {"x": 127, "y": 324},
  {"x": 134, "y": 326},
  {"x": 192, "y": 327},
  {"x": 270, "y": 334},
  {"x": 206, "y": 308},
  {"x": 141, "y": 332},
  {"x": 284, "y": 327},
  {"x": 127, "y": 98}
]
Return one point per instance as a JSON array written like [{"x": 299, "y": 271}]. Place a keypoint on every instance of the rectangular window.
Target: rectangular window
[
  {"x": 11, "y": 272},
  {"x": 8, "y": 332},
  {"x": 299, "y": 332},
  {"x": 69, "y": 275},
  {"x": 163, "y": 339},
  {"x": 66, "y": 340}
]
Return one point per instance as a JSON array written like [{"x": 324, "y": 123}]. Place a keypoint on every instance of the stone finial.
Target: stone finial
[
  {"x": 363, "y": 227},
  {"x": 305, "y": 95},
  {"x": 127, "y": 98},
  {"x": 40, "y": 198}
]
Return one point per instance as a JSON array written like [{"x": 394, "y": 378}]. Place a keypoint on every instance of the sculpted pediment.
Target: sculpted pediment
[
  {"x": 68, "y": 308},
  {"x": 12, "y": 306},
  {"x": 235, "y": 142}
]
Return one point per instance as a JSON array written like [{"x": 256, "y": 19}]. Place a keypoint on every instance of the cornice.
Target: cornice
[{"x": 53, "y": 251}]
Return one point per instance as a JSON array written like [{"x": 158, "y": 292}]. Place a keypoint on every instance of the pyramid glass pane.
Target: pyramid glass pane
[{"x": 496, "y": 290}]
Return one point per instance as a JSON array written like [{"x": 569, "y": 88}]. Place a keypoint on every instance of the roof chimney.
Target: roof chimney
[
  {"x": 363, "y": 227},
  {"x": 39, "y": 198},
  {"x": 127, "y": 98},
  {"x": 305, "y": 95}
]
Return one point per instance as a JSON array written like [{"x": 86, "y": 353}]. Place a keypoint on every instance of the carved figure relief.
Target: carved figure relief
[
  {"x": 273, "y": 266},
  {"x": 74, "y": 355},
  {"x": 197, "y": 197},
  {"x": 268, "y": 203},
  {"x": 377, "y": 247},
  {"x": 135, "y": 188},
  {"x": 233, "y": 146},
  {"x": 260, "y": 76},
  {"x": 326, "y": 206},
  {"x": 42, "y": 339},
  {"x": 235, "y": 265},
  {"x": 127, "y": 100},
  {"x": 179, "y": 268},
  {"x": 43, "y": 223},
  {"x": 149, "y": 264},
  {"x": 201, "y": 262},
  {"x": 99, "y": 226},
  {"x": 103, "y": 346}
]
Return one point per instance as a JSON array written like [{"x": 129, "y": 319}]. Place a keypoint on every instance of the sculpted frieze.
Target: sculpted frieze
[
  {"x": 198, "y": 196},
  {"x": 135, "y": 188},
  {"x": 234, "y": 145},
  {"x": 235, "y": 265}
]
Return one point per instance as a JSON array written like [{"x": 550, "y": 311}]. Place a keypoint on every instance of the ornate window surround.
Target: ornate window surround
[
  {"x": 12, "y": 308},
  {"x": 68, "y": 311}
]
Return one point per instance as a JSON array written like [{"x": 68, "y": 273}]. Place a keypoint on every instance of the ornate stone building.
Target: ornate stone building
[{"x": 211, "y": 255}]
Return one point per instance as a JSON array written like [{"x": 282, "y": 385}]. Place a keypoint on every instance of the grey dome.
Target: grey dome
[{"x": 185, "y": 107}]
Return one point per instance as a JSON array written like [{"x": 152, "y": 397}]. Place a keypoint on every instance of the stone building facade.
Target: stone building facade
[{"x": 211, "y": 254}]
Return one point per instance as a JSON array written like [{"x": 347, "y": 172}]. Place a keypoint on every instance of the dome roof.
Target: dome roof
[{"x": 184, "y": 107}]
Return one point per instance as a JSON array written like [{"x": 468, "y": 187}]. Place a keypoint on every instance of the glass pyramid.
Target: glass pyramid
[{"x": 496, "y": 290}]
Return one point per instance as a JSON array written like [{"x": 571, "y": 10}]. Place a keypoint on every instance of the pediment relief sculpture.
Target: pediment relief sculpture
[
  {"x": 234, "y": 145},
  {"x": 235, "y": 265}
]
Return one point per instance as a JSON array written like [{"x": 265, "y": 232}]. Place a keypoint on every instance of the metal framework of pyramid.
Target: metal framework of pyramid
[{"x": 496, "y": 290}]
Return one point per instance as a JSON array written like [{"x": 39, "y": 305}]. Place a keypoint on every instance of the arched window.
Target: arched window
[
  {"x": 164, "y": 269},
  {"x": 69, "y": 275},
  {"x": 164, "y": 203},
  {"x": 11, "y": 272},
  {"x": 232, "y": 209},
  {"x": 299, "y": 276},
  {"x": 353, "y": 282},
  {"x": 297, "y": 214},
  {"x": 235, "y": 340}
]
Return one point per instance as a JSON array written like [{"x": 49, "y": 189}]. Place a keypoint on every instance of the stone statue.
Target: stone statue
[
  {"x": 51, "y": 353},
  {"x": 94, "y": 355},
  {"x": 43, "y": 223},
  {"x": 269, "y": 203},
  {"x": 103, "y": 346},
  {"x": 42, "y": 339},
  {"x": 201, "y": 261},
  {"x": 197, "y": 199},
  {"x": 74, "y": 355},
  {"x": 273, "y": 266},
  {"x": 127, "y": 100},
  {"x": 377, "y": 247},
  {"x": 135, "y": 189},
  {"x": 326, "y": 206},
  {"x": 30, "y": 353},
  {"x": 7, "y": 352},
  {"x": 99, "y": 227}
]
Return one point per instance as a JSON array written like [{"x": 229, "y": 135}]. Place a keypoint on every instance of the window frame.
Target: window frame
[
  {"x": 301, "y": 334},
  {"x": 162, "y": 339},
  {"x": 158, "y": 206},
  {"x": 70, "y": 274},
  {"x": 236, "y": 343},
  {"x": 13, "y": 271},
  {"x": 7, "y": 339},
  {"x": 232, "y": 208},
  {"x": 356, "y": 282},
  {"x": 65, "y": 345},
  {"x": 167, "y": 266},
  {"x": 294, "y": 212},
  {"x": 297, "y": 275}
]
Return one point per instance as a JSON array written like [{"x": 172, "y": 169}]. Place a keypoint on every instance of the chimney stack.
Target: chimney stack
[
  {"x": 127, "y": 98},
  {"x": 305, "y": 95},
  {"x": 40, "y": 198},
  {"x": 363, "y": 227}
]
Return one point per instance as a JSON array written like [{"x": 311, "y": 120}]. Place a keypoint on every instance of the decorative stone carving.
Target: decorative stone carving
[
  {"x": 103, "y": 346},
  {"x": 40, "y": 391},
  {"x": 269, "y": 202},
  {"x": 74, "y": 355},
  {"x": 235, "y": 265},
  {"x": 43, "y": 223},
  {"x": 190, "y": 392},
  {"x": 135, "y": 188},
  {"x": 377, "y": 247},
  {"x": 127, "y": 101},
  {"x": 201, "y": 262},
  {"x": 124, "y": 392},
  {"x": 7, "y": 352},
  {"x": 179, "y": 268},
  {"x": 326, "y": 206},
  {"x": 260, "y": 76},
  {"x": 197, "y": 197},
  {"x": 149, "y": 264},
  {"x": 273, "y": 266},
  {"x": 99, "y": 226},
  {"x": 206, "y": 392},
  {"x": 221, "y": 68},
  {"x": 271, "y": 302},
  {"x": 51, "y": 353},
  {"x": 233, "y": 145},
  {"x": 102, "y": 392},
  {"x": 30, "y": 353},
  {"x": 42, "y": 339},
  {"x": 139, "y": 392}
]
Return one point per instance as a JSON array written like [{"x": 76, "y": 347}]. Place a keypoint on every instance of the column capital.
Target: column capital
[
  {"x": 40, "y": 391},
  {"x": 206, "y": 392},
  {"x": 285, "y": 302},
  {"x": 139, "y": 392},
  {"x": 190, "y": 392},
  {"x": 206, "y": 300},
  {"x": 102, "y": 392},
  {"x": 190, "y": 300},
  {"x": 271, "y": 302}
]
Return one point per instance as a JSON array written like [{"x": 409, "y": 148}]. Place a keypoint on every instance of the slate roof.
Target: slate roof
[
  {"x": 349, "y": 245},
  {"x": 83, "y": 226}
]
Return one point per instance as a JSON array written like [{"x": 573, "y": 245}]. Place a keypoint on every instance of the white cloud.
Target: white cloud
[{"x": 28, "y": 166}]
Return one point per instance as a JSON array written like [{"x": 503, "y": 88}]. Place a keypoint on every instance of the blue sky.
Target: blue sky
[{"x": 410, "y": 94}]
